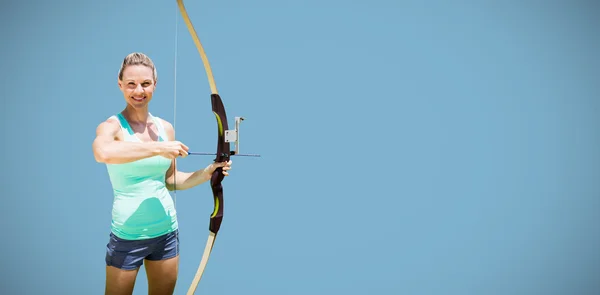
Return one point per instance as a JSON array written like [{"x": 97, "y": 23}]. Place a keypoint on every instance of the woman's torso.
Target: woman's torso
[{"x": 142, "y": 205}]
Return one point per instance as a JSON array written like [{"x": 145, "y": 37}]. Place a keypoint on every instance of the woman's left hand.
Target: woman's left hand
[{"x": 212, "y": 167}]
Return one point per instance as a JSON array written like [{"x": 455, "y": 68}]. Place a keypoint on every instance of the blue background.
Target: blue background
[{"x": 408, "y": 147}]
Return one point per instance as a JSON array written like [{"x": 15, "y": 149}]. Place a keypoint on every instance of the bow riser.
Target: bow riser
[{"x": 222, "y": 155}]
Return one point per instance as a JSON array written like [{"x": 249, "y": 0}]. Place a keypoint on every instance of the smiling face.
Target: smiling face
[
  {"x": 137, "y": 84},
  {"x": 137, "y": 80}
]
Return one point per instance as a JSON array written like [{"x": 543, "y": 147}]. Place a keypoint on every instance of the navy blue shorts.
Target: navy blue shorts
[{"x": 130, "y": 254}]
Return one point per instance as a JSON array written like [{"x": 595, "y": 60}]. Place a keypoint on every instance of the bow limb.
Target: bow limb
[
  {"x": 190, "y": 26},
  {"x": 222, "y": 154}
]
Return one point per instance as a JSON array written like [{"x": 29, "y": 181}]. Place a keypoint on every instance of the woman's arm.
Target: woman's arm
[
  {"x": 186, "y": 180},
  {"x": 109, "y": 149}
]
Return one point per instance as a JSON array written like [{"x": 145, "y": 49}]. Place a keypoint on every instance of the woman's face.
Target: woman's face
[{"x": 137, "y": 85}]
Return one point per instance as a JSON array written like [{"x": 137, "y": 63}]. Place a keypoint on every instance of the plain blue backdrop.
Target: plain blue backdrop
[{"x": 408, "y": 147}]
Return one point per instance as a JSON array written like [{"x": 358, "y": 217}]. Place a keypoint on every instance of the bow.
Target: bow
[{"x": 223, "y": 153}]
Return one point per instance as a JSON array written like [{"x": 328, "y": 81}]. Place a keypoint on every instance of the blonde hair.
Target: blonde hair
[{"x": 137, "y": 58}]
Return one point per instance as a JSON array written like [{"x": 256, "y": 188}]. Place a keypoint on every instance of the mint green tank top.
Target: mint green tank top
[{"x": 142, "y": 205}]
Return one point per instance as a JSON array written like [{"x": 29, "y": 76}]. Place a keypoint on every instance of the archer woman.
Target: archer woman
[{"x": 139, "y": 150}]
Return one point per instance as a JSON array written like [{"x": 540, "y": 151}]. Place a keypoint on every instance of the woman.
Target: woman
[{"x": 139, "y": 151}]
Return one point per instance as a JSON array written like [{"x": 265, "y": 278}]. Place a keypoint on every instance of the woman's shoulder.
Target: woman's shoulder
[
  {"x": 110, "y": 123},
  {"x": 167, "y": 126},
  {"x": 110, "y": 126}
]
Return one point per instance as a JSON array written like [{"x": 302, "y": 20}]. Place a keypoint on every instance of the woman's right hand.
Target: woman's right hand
[{"x": 173, "y": 149}]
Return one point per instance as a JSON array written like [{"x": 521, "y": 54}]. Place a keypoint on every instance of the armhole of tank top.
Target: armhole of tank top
[
  {"x": 114, "y": 117},
  {"x": 124, "y": 130},
  {"x": 161, "y": 129}
]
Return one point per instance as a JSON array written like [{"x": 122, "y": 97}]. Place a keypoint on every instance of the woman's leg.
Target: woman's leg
[
  {"x": 162, "y": 276},
  {"x": 123, "y": 261},
  {"x": 162, "y": 265},
  {"x": 119, "y": 281}
]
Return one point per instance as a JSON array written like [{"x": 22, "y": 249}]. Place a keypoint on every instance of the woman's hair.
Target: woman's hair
[{"x": 137, "y": 58}]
